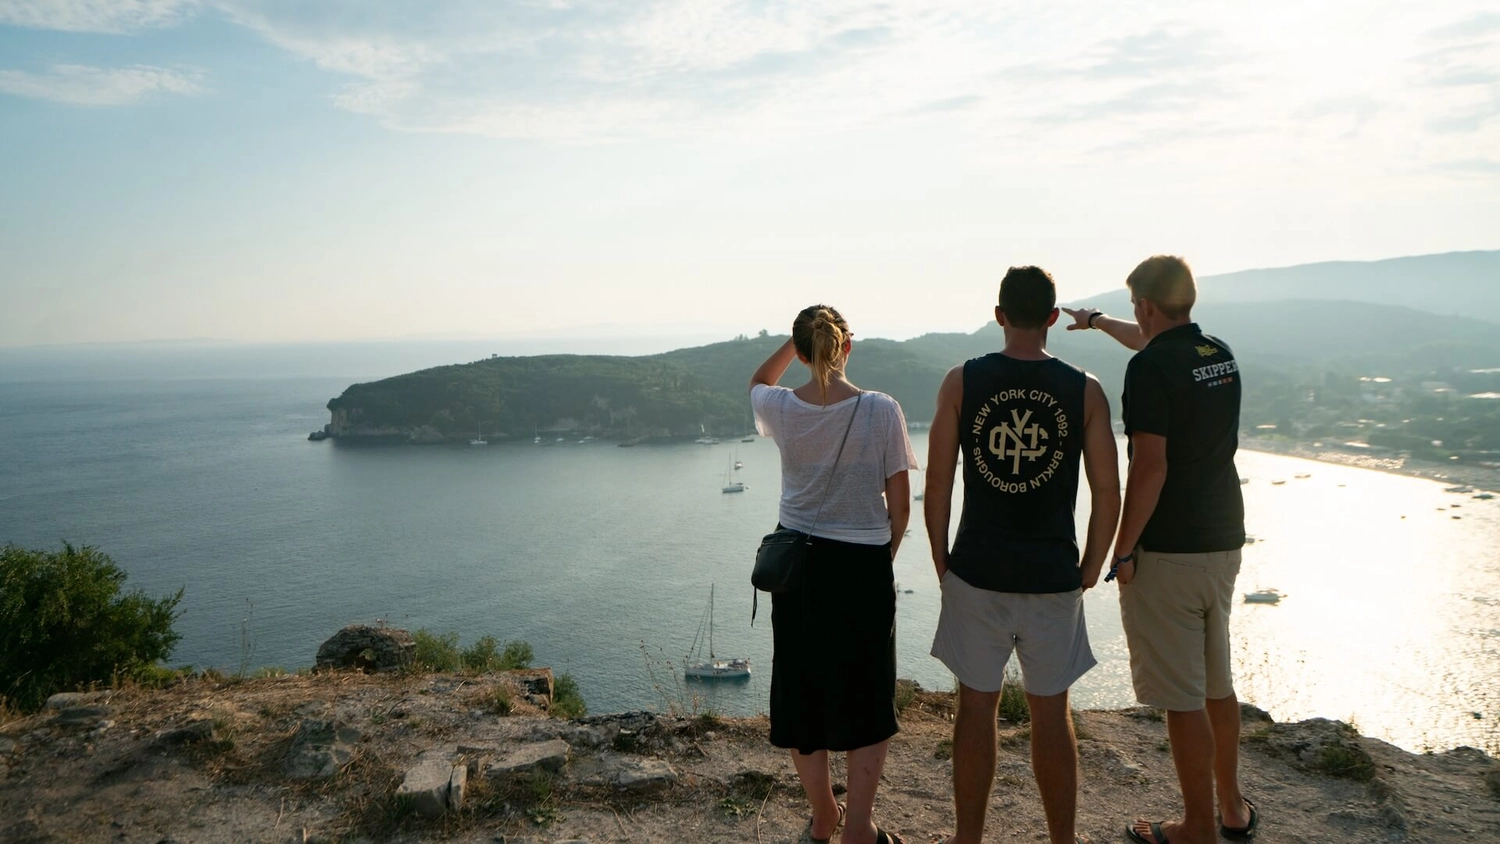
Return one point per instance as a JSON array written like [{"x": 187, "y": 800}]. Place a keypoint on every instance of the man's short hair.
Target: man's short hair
[
  {"x": 1167, "y": 281},
  {"x": 1027, "y": 296}
]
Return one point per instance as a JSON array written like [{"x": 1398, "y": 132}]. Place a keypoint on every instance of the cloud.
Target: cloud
[
  {"x": 110, "y": 16},
  {"x": 96, "y": 86}
]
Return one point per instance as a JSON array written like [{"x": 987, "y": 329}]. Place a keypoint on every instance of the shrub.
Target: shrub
[
  {"x": 486, "y": 655},
  {"x": 566, "y": 700},
  {"x": 65, "y": 624},
  {"x": 440, "y": 652},
  {"x": 1013, "y": 705},
  {"x": 436, "y": 652}
]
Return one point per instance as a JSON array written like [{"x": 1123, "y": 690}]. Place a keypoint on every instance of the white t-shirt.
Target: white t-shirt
[{"x": 808, "y": 437}]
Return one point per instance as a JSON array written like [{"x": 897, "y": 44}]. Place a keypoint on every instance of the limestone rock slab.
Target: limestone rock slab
[{"x": 549, "y": 756}]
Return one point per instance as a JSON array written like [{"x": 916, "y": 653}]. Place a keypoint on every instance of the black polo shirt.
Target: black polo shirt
[{"x": 1185, "y": 386}]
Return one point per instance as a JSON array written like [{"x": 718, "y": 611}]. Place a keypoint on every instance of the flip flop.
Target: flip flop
[
  {"x": 830, "y": 835},
  {"x": 1242, "y": 832},
  {"x": 1156, "y": 833},
  {"x": 883, "y": 837}
]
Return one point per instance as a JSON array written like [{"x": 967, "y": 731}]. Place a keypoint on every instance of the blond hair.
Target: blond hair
[
  {"x": 1167, "y": 281},
  {"x": 821, "y": 335}
]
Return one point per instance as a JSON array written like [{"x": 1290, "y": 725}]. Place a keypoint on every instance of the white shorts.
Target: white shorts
[{"x": 978, "y": 629}]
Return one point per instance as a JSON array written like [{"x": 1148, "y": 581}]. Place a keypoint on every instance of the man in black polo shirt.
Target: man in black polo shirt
[
  {"x": 1019, "y": 420},
  {"x": 1177, "y": 552}
]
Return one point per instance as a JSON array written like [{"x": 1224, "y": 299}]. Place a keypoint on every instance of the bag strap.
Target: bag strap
[{"x": 823, "y": 499}]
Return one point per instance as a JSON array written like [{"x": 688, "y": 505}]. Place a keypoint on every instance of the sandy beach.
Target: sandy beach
[{"x": 1477, "y": 477}]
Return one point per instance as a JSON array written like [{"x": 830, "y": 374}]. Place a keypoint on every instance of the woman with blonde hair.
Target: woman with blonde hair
[{"x": 844, "y": 460}]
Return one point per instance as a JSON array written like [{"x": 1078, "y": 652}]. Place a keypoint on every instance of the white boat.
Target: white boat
[
  {"x": 713, "y": 668},
  {"x": 733, "y": 486},
  {"x": 1263, "y": 596},
  {"x": 479, "y": 437}
]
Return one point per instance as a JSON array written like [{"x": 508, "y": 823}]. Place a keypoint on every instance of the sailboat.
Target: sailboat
[
  {"x": 714, "y": 668},
  {"x": 732, "y": 486},
  {"x": 536, "y": 435},
  {"x": 479, "y": 437}
]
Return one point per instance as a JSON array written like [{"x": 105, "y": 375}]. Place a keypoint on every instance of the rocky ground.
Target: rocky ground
[{"x": 354, "y": 757}]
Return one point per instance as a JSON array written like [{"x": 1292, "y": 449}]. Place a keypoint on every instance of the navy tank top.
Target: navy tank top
[{"x": 1020, "y": 436}]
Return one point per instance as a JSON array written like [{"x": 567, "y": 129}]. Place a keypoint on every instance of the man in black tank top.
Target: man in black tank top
[
  {"x": 1018, "y": 420},
  {"x": 1178, "y": 547}
]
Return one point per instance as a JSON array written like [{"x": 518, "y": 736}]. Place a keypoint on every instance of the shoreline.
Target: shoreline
[{"x": 1478, "y": 477}]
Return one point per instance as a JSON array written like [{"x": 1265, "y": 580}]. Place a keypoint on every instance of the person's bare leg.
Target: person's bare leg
[
  {"x": 973, "y": 762},
  {"x": 817, "y": 784},
  {"x": 1193, "y": 753},
  {"x": 865, "y": 765},
  {"x": 1054, "y": 762},
  {"x": 1224, "y": 715}
]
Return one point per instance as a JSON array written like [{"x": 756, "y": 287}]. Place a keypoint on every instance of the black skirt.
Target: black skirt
[{"x": 833, "y": 673}]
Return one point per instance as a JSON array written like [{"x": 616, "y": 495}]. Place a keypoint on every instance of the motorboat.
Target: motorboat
[{"x": 1263, "y": 596}]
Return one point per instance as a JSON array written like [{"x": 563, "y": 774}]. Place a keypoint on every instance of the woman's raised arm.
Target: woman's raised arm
[{"x": 775, "y": 366}]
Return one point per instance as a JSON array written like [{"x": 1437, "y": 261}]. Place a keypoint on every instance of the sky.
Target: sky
[{"x": 277, "y": 171}]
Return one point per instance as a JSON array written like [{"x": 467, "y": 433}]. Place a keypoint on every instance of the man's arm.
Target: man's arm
[
  {"x": 1143, "y": 483},
  {"x": 774, "y": 366},
  {"x": 1101, "y": 466},
  {"x": 942, "y": 465},
  {"x": 898, "y": 504},
  {"x": 1126, "y": 332}
]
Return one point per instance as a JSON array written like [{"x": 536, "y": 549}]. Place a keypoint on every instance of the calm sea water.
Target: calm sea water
[{"x": 602, "y": 557}]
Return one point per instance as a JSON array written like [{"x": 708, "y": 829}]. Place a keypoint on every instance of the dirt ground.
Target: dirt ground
[{"x": 227, "y": 762}]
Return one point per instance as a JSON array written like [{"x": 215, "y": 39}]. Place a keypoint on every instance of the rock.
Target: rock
[
  {"x": 549, "y": 756},
  {"x": 196, "y": 730},
  {"x": 1254, "y": 714},
  {"x": 66, "y": 700},
  {"x": 458, "y": 785},
  {"x": 643, "y": 775},
  {"x": 429, "y": 786},
  {"x": 321, "y": 748},
  {"x": 368, "y": 648},
  {"x": 81, "y": 714}
]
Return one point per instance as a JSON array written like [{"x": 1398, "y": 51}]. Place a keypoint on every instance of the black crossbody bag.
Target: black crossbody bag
[{"x": 781, "y": 559}]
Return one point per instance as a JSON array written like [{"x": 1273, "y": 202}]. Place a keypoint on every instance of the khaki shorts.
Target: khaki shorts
[
  {"x": 1176, "y": 618},
  {"x": 978, "y": 629}
]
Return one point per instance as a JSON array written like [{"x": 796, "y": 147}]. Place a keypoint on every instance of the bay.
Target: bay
[{"x": 602, "y": 557}]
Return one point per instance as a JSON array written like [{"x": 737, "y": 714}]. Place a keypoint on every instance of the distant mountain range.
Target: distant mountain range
[
  {"x": 1288, "y": 327},
  {"x": 1451, "y": 283}
]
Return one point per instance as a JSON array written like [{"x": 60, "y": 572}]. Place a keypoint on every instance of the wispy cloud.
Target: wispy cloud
[
  {"x": 113, "y": 16},
  {"x": 83, "y": 85}
]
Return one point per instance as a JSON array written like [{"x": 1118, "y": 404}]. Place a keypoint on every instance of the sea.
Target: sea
[{"x": 193, "y": 471}]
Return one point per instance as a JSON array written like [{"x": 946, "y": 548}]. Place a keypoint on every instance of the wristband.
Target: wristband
[
  {"x": 1114, "y": 568},
  {"x": 1092, "y": 317}
]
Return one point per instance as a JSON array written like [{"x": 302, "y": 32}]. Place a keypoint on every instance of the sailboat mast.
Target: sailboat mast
[{"x": 711, "y": 621}]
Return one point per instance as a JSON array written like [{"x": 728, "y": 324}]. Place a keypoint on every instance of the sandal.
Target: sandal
[
  {"x": 1242, "y": 832},
  {"x": 883, "y": 837},
  {"x": 1157, "y": 835},
  {"x": 830, "y": 835}
]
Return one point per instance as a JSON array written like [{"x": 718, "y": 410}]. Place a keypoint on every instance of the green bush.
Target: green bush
[
  {"x": 1013, "y": 705},
  {"x": 486, "y": 655},
  {"x": 64, "y": 623},
  {"x": 436, "y": 652},
  {"x": 440, "y": 652},
  {"x": 566, "y": 700}
]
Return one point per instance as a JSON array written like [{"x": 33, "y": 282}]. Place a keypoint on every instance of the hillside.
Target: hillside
[
  {"x": 1287, "y": 346},
  {"x": 1450, "y": 284}
]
